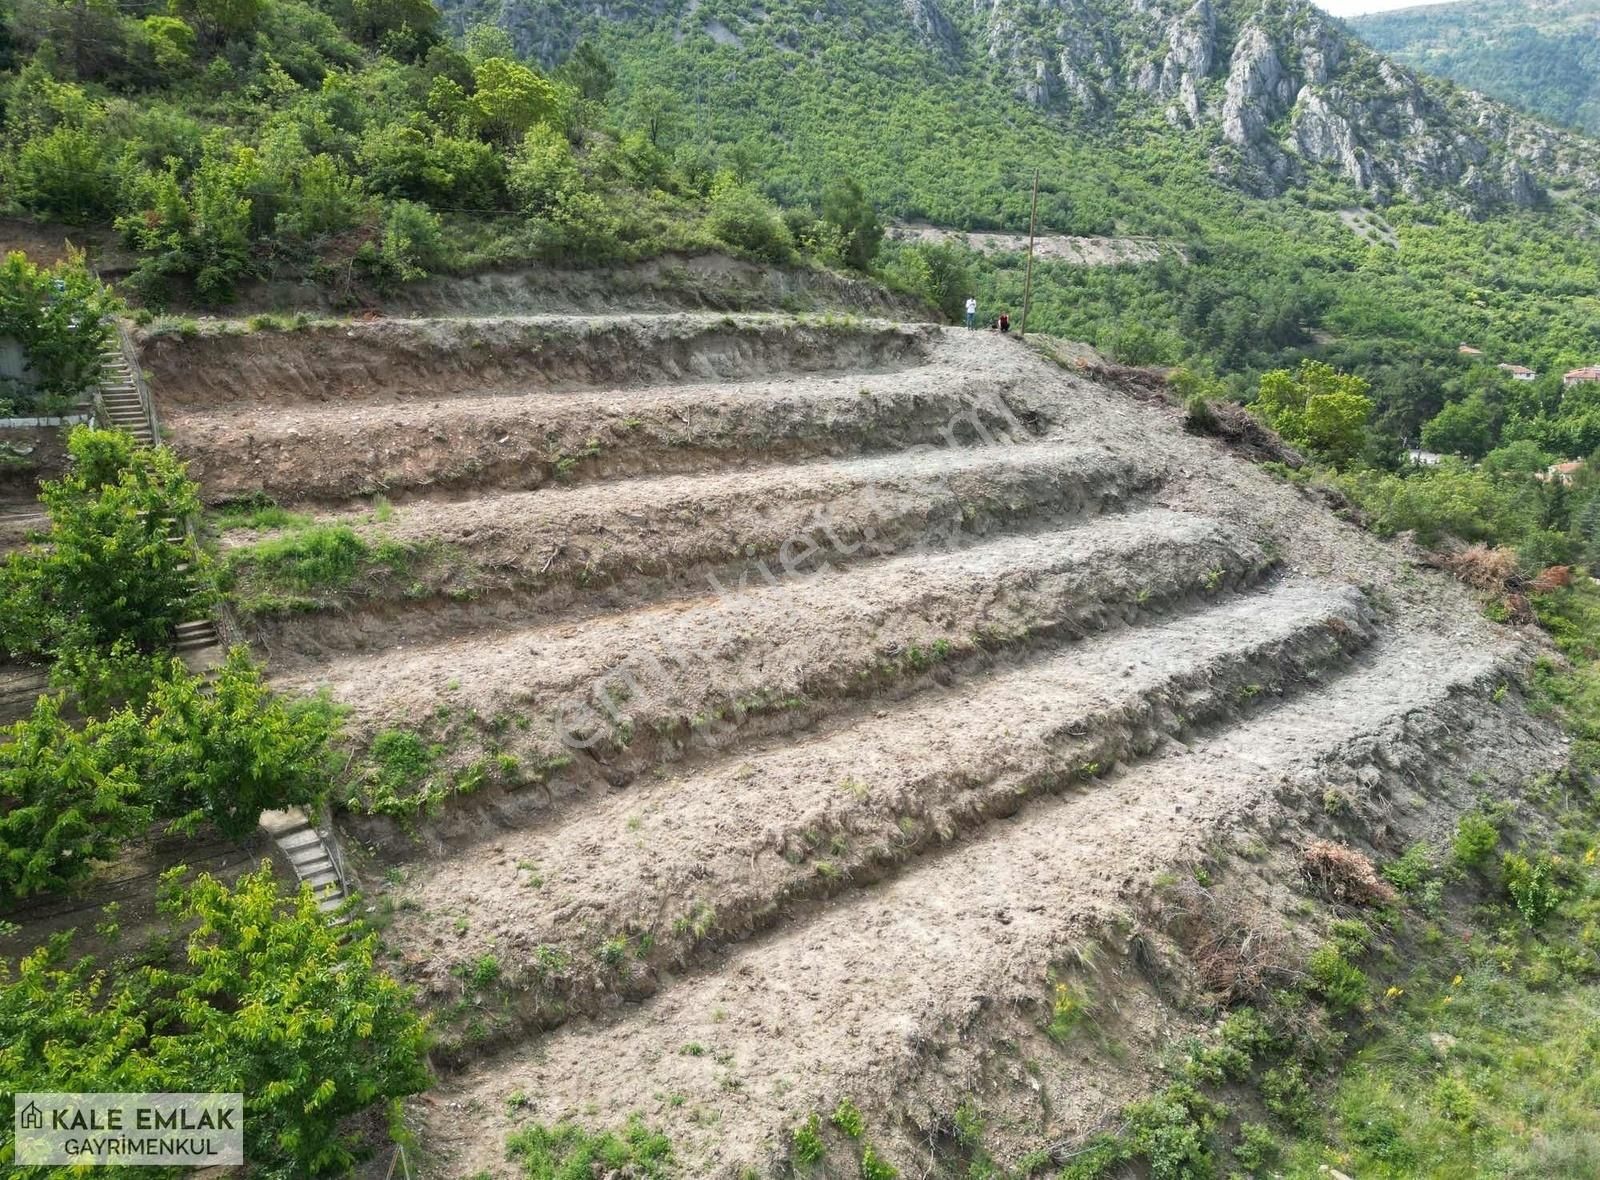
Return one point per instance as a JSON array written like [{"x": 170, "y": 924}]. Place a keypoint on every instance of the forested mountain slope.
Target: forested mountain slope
[
  {"x": 1541, "y": 55},
  {"x": 1328, "y": 200},
  {"x": 1277, "y": 90}
]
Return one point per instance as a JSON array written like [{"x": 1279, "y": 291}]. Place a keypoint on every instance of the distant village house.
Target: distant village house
[
  {"x": 1579, "y": 376},
  {"x": 1468, "y": 350},
  {"x": 1518, "y": 372},
  {"x": 1562, "y": 473}
]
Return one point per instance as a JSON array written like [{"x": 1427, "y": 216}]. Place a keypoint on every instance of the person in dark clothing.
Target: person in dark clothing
[{"x": 1003, "y": 323}]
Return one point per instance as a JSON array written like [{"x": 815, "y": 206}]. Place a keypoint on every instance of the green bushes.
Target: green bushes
[
  {"x": 747, "y": 221},
  {"x": 1532, "y": 886},
  {"x": 62, "y": 809},
  {"x": 224, "y": 752},
  {"x": 109, "y": 570},
  {"x": 1475, "y": 840},
  {"x": 267, "y": 1000},
  {"x": 188, "y": 751},
  {"x": 938, "y": 273},
  {"x": 57, "y": 316},
  {"x": 563, "y": 1151},
  {"x": 1317, "y": 409},
  {"x": 1338, "y": 981}
]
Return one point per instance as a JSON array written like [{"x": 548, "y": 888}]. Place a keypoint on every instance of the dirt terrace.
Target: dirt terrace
[{"x": 878, "y": 676}]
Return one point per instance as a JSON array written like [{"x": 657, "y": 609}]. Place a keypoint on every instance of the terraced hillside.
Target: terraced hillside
[{"x": 795, "y": 702}]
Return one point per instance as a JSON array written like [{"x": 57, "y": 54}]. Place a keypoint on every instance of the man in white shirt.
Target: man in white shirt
[{"x": 972, "y": 310}]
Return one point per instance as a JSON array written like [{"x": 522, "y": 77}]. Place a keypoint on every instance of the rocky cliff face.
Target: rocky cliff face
[
  {"x": 1277, "y": 88},
  {"x": 1281, "y": 88}
]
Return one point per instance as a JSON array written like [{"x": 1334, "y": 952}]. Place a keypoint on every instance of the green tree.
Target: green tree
[
  {"x": 267, "y": 1000},
  {"x": 588, "y": 72},
  {"x": 746, "y": 220},
  {"x": 110, "y": 570},
  {"x": 57, "y": 315},
  {"x": 217, "y": 21},
  {"x": 485, "y": 40},
  {"x": 407, "y": 26},
  {"x": 508, "y": 98},
  {"x": 171, "y": 41},
  {"x": 61, "y": 811},
  {"x": 1317, "y": 408},
  {"x": 225, "y": 751},
  {"x": 543, "y": 171},
  {"x": 66, "y": 174},
  {"x": 846, "y": 206},
  {"x": 657, "y": 112},
  {"x": 1462, "y": 428},
  {"x": 937, "y": 272}
]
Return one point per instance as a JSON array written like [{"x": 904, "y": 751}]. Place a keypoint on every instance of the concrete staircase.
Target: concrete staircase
[
  {"x": 313, "y": 858},
  {"x": 124, "y": 403},
  {"x": 121, "y": 399}
]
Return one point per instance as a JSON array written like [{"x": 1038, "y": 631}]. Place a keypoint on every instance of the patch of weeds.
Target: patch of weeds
[
  {"x": 259, "y": 512},
  {"x": 550, "y": 961},
  {"x": 565, "y": 1151},
  {"x": 1257, "y": 1149},
  {"x": 1532, "y": 886},
  {"x": 399, "y": 778},
  {"x": 480, "y": 974},
  {"x": 969, "y": 1125},
  {"x": 614, "y": 951},
  {"x": 807, "y": 1145},
  {"x": 319, "y": 558},
  {"x": 1352, "y": 936},
  {"x": 698, "y": 922},
  {"x": 875, "y": 1167},
  {"x": 1338, "y": 981},
  {"x": 1475, "y": 840},
  {"x": 1411, "y": 869},
  {"x": 848, "y": 1119},
  {"x": 1288, "y": 1095},
  {"x": 1068, "y": 1009}
]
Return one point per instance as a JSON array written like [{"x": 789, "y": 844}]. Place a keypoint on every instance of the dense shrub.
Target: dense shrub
[
  {"x": 223, "y": 751},
  {"x": 1475, "y": 840},
  {"x": 937, "y": 273},
  {"x": 61, "y": 808},
  {"x": 109, "y": 570},
  {"x": 266, "y": 999},
  {"x": 57, "y": 316},
  {"x": 183, "y": 748},
  {"x": 1317, "y": 409},
  {"x": 747, "y": 221}
]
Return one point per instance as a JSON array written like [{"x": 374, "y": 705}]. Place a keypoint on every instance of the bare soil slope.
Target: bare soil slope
[{"x": 848, "y": 689}]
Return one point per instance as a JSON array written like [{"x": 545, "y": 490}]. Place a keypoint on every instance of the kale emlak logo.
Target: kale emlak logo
[{"x": 129, "y": 1129}]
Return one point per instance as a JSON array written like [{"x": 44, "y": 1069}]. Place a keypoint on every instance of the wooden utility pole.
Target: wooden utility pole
[{"x": 1027, "y": 282}]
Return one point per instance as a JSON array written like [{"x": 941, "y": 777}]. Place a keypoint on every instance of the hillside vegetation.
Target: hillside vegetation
[{"x": 1541, "y": 55}]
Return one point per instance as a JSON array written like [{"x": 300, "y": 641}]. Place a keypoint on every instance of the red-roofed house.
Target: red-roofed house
[
  {"x": 1577, "y": 376},
  {"x": 1518, "y": 372}
]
